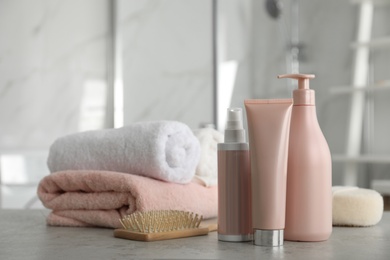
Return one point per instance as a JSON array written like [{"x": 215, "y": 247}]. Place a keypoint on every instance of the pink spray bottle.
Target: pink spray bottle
[{"x": 309, "y": 170}]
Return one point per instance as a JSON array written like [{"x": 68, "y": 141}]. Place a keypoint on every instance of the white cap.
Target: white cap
[{"x": 234, "y": 130}]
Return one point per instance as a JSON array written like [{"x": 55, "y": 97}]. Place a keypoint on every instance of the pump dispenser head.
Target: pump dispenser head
[
  {"x": 234, "y": 130},
  {"x": 303, "y": 96}
]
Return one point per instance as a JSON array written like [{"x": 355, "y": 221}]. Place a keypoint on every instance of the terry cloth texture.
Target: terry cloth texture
[
  {"x": 207, "y": 169},
  {"x": 164, "y": 150},
  {"x": 101, "y": 198}
]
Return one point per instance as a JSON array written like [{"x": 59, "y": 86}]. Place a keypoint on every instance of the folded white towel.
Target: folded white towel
[
  {"x": 353, "y": 206},
  {"x": 207, "y": 170},
  {"x": 164, "y": 150}
]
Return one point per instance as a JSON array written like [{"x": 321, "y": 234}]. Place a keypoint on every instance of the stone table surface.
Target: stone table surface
[{"x": 24, "y": 235}]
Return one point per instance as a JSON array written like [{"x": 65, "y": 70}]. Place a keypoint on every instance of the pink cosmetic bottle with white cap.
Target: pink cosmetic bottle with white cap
[
  {"x": 309, "y": 170},
  {"x": 234, "y": 182}
]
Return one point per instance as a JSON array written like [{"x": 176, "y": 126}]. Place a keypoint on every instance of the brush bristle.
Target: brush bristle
[{"x": 160, "y": 221}]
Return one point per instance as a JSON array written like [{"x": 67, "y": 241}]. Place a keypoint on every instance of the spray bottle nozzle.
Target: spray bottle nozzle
[
  {"x": 234, "y": 118},
  {"x": 234, "y": 130},
  {"x": 303, "y": 79}
]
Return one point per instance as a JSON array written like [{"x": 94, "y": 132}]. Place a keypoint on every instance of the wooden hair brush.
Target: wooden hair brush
[{"x": 161, "y": 225}]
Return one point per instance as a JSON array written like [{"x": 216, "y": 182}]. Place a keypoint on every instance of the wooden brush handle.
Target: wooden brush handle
[
  {"x": 126, "y": 234},
  {"x": 213, "y": 227}
]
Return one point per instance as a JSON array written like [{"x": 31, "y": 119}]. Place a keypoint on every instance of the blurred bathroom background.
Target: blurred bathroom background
[{"x": 76, "y": 65}]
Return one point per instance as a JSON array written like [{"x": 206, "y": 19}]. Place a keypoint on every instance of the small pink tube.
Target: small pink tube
[{"x": 268, "y": 128}]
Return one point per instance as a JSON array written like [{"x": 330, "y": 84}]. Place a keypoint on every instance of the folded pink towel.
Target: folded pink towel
[{"x": 100, "y": 198}]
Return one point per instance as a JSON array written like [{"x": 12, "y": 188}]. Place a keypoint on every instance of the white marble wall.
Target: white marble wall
[
  {"x": 235, "y": 46},
  {"x": 167, "y": 60},
  {"x": 53, "y": 57},
  {"x": 49, "y": 52}
]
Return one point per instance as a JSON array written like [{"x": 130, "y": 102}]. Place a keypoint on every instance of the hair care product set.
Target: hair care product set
[{"x": 279, "y": 187}]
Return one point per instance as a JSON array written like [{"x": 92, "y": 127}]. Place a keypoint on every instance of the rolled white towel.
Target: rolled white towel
[
  {"x": 164, "y": 150},
  {"x": 207, "y": 170}
]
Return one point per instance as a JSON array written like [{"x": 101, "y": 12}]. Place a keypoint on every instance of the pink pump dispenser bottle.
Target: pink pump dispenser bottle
[{"x": 309, "y": 170}]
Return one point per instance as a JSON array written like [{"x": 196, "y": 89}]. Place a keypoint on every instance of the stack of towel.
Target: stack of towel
[{"x": 99, "y": 176}]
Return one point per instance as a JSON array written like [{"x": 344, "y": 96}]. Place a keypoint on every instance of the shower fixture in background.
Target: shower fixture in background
[{"x": 289, "y": 31}]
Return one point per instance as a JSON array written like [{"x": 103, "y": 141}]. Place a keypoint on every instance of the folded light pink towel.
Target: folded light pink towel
[{"x": 100, "y": 198}]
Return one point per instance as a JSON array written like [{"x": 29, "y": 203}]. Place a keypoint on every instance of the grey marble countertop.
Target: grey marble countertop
[{"x": 24, "y": 235}]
